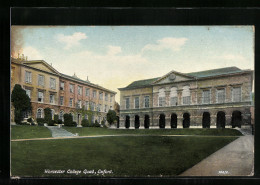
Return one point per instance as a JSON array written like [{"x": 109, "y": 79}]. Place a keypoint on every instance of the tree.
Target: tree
[
  {"x": 21, "y": 102},
  {"x": 111, "y": 116},
  {"x": 47, "y": 116}
]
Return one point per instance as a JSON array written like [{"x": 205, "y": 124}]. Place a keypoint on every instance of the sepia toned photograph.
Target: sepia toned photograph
[{"x": 132, "y": 101}]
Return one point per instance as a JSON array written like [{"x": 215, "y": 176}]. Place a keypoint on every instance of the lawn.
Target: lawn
[
  {"x": 125, "y": 156},
  {"x": 27, "y": 131},
  {"x": 89, "y": 131}
]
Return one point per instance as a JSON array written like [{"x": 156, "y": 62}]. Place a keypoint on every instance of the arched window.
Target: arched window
[
  {"x": 186, "y": 95},
  {"x": 61, "y": 115},
  {"x": 173, "y": 96},
  {"x": 161, "y": 97},
  {"x": 39, "y": 113}
]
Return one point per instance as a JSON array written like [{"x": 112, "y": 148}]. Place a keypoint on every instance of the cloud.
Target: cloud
[
  {"x": 32, "y": 53},
  {"x": 232, "y": 57},
  {"x": 171, "y": 43},
  {"x": 71, "y": 40},
  {"x": 113, "y": 50}
]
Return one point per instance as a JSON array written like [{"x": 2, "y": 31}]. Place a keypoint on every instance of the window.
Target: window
[
  {"x": 79, "y": 104},
  {"x": 40, "y": 96},
  {"x": 221, "y": 96},
  {"x": 111, "y": 98},
  {"x": 186, "y": 95},
  {"x": 26, "y": 114},
  {"x": 94, "y": 106},
  {"x": 137, "y": 102},
  {"x": 173, "y": 96},
  {"x": 86, "y": 105},
  {"x": 61, "y": 100},
  {"x": 52, "y": 114},
  {"x": 52, "y": 98},
  {"x": 91, "y": 106},
  {"x": 146, "y": 101},
  {"x": 206, "y": 97},
  {"x": 94, "y": 93},
  {"x": 39, "y": 113},
  {"x": 61, "y": 115},
  {"x": 61, "y": 85},
  {"x": 71, "y": 88},
  {"x": 161, "y": 98},
  {"x": 79, "y": 90},
  {"x": 99, "y": 107},
  {"x": 41, "y": 80},
  {"x": 85, "y": 116},
  {"x": 28, "y": 92},
  {"x": 101, "y": 95},
  {"x": 105, "y": 108},
  {"x": 87, "y": 91},
  {"x": 52, "y": 83},
  {"x": 106, "y": 96},
  {"x": 236, "y": 94},
  {"x": 28, "y": 77},
  {"x": 71, "y": 102},
  {"x": 127, "y": 103}
]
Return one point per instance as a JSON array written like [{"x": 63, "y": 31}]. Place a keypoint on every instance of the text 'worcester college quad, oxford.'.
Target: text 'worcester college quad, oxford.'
[
  {"x": 218, "y": 98},
  {"x": 48, "y": 88}
]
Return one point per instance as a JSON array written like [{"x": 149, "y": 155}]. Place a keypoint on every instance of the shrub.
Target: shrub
[
  {"x": 111, "y": 116},
  {"x": 96, "y": 124},
  {"x": 47, "y": 115},
  {"x": 51, "y": 123},
  {"x": 59, "y": 121},
  {"x": 74, "y": 124},
  {"x": 68, "y": 119},
  {"x": 85, "y": 123},
  {"x": 17, "y": 116},
  {"x": 40, "y": 121},
  {"x": 103, "y": 124},
  {"x": 29, "y": 120},
  {"x": 56, "y": 119}
]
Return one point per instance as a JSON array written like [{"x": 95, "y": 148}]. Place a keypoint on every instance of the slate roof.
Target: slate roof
[
  {"x": 141, "y": 83},
  {"x": 215, "y": 72},
  {"x": 200, "y": 74}
]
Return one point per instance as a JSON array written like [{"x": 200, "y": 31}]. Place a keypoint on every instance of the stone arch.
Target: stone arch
[
  {"x": 162, "y": 121},
  {"x": 174, "y": 120},
  {"x": 221, "y": 119},
  {"x": 206, "y": 120},
  {"x": 236, "y": 119},
  {"x": 186, "y": 120},
  {"x": 127, "y": 121},
  {"x": 146, "y": 121},
  {"x": 137, "y": 121}
]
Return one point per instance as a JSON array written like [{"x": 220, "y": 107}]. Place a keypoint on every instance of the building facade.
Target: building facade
[
  {"x": 217, "y": 98},
  {"x": 46, "y": 87}
]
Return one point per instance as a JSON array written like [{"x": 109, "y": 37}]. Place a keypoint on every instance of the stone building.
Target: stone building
[
  {"x": 46, "y": 87},
  {"x": 207, "y": 99}
]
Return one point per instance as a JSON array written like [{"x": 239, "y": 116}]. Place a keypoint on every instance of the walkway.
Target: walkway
[
  {"x": 59, "y": 132},
  {"x": 235, "y": 159}
]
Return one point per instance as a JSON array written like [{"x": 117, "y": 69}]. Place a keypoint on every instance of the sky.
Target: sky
[{"x": 115, "y": 56}]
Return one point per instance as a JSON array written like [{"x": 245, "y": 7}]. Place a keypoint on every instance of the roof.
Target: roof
[
  {"x": 199, "y": 74},
  {"x": 141, "y": 83},
  {"x": 215, "y": 72},
  {"x": 74, "y": 77}
]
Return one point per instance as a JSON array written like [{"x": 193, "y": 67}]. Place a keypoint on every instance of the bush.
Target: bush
[
  {"x": 47, "y": 115},
  {"x": 103, "y": 124},
  {"x": 56, "y": 119},
  {"x": 85, "y": 123},
  {"x": 51, "y": 123},
  {"x": 68, "y": 119},
  {"x": 29, "y": 120},
  {"x": 40, "y": 121},
  {"x": 96, "y": 124},
  {"x": 59, "y": 121},
  {"x": 111, "y": 116},
  {"x": 74, "y": 124},
  {"x": 17, "y": 116}
]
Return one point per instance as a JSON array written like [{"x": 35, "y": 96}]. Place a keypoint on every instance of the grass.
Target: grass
[
  {"x": 89, "y": 131},
  {"x": 27, "y": 132},
  {"x": 125, "y": 156}
]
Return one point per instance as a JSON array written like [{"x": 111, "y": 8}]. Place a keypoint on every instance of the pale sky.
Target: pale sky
[{"x": 115, "y": 56}]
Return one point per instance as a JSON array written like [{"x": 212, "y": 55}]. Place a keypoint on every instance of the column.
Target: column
[
  {"x": 141, "y": 119},
  {"x": 213, "y": 121},
  {"x": 167, "y": 121},
  {"x": 228, "y": 121},
  {"x": 132, "y": 122},
  {"x": 179, "y": 122}
]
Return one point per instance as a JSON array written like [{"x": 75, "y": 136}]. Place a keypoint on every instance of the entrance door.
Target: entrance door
[
  {"x": 137, "y": 122},
  {"x": 173, "y": 121},
  {"x": 236, "y": 119},
  {"x": 127, "y": 122},
  {"x": 221, "y": 119},
  {"x": 146, "y": 121},
  {"x": 186, "y": 120}
]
